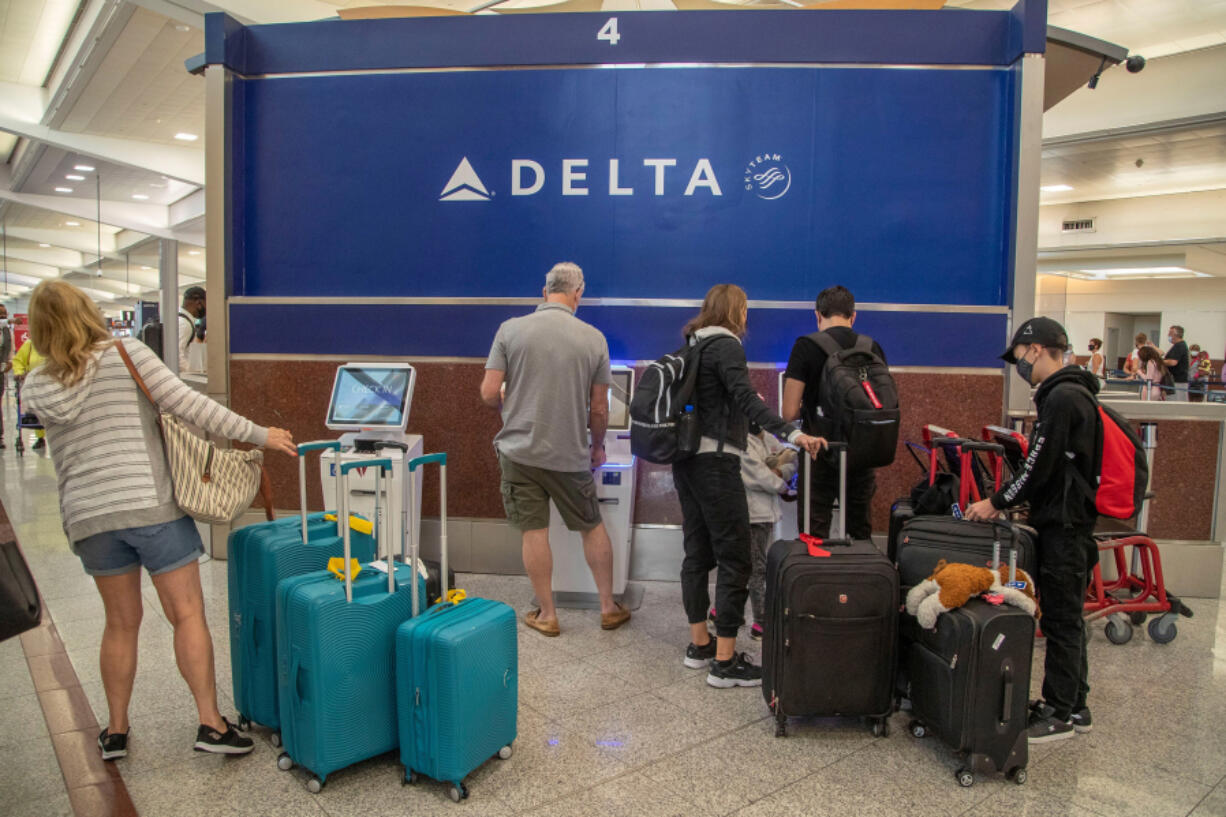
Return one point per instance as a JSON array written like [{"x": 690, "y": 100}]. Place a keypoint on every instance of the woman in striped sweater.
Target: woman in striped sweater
[{"x": 116, "y": 498}]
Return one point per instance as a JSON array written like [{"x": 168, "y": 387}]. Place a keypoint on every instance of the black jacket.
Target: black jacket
[
  {"x": 1063, "y": 438},
  {"x": 726, "y": 401}
]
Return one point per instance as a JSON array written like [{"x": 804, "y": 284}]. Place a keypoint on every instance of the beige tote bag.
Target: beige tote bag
[{"x": 211, "y": 484}]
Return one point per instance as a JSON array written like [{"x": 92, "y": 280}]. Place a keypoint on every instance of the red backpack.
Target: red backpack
[{"x": 1120, "y": 465}]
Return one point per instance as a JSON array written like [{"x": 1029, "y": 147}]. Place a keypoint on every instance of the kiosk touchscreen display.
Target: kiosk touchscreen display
[
  {"x": 619, "y": 400},
  {"x": 370, "y": 397}
]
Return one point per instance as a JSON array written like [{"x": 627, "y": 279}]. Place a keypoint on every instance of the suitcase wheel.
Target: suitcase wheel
[
  {"x": 457, "y": 792},
  {"x": 505, "y": 752},
  {"x": 881, "y": 728},
  {"x": 965, "y": 777},
  {"x": 315, "y": 785},
  {"x": 275, "y": 740},
  {"x": 1018, "y": 775},
  {"x": 285, "y": 762},
  {"x": 918, "y": 729},
  {"x": 410, "y": 778}
]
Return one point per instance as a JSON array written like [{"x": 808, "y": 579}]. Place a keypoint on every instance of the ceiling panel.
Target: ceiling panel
[
  {"x": 118, "y": 182},
  {"x": 20, "y": 215},
  {"x": 141, "y": 90},
  {"x": 30, "y": 35},
  {"x": 1152, "y": 28},
  {"x": 1169, "y": 162}
]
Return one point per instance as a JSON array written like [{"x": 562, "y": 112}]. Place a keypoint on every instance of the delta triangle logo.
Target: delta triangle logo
[{"x": 464, "y": 185}]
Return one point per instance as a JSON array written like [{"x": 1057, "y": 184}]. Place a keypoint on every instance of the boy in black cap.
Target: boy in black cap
[{"x": 1061, "y": 443}]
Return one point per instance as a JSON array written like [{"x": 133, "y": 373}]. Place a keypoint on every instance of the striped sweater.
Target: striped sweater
[{"x": 104, "y": 440}]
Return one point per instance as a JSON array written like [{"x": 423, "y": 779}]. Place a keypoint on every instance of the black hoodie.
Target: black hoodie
[{"x": 1063, "y": 438}]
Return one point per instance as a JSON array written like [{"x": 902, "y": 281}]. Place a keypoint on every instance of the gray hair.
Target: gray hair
[{"x": 564, "y": 278}]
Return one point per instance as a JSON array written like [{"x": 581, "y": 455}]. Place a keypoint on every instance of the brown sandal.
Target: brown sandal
[{"x": 551, "y": 629}]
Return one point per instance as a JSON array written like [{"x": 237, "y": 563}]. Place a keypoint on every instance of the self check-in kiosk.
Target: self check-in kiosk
[
  {"x": 572, "y": 580},
  {"x": 370, "y": 404}
]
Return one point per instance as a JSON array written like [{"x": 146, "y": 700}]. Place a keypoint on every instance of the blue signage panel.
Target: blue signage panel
[
  {"x": 658, "y": 181},
  {"x": 634, "y": 332}
]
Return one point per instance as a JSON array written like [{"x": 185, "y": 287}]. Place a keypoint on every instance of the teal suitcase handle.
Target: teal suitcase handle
[
  {"x": 384, "y": 463},
  {"x": 320, "y": 445},
  {"x": 426, "y": 459}
]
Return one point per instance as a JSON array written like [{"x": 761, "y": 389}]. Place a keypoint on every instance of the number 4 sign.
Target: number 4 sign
[{"x": 609, "y": 32}]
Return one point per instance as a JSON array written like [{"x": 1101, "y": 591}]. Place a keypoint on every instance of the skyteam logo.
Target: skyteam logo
[
  {"x": 768, "y": 177},
  {"x": 464, "y": 185}
]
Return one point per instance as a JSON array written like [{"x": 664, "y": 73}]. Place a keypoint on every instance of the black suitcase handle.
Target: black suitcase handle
[{"x": 1006, "y": 711}]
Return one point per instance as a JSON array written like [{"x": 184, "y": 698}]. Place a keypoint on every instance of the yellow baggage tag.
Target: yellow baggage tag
[{"x": 336, "y": 566}]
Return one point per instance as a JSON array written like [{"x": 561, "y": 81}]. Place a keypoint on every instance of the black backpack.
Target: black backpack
[
  {"x": 858, "y": 402},
  {"x": 664, "y": 424},
  {"x": 151, "y": 336}
]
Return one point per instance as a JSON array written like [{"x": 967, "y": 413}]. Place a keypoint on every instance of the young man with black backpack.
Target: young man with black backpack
[
  {"x": 838, "y": 383},
  {"x": 1055, "y": 479}
]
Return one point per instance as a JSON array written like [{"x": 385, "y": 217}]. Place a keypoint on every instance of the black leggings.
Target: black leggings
[{"x": 716, "y": 527}]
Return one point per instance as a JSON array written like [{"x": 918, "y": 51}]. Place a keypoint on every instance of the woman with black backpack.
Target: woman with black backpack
[{"x": 713, "y": 503}]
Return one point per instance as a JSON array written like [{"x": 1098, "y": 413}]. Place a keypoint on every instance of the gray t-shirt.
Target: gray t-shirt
[{"x": 551, "y": 359}]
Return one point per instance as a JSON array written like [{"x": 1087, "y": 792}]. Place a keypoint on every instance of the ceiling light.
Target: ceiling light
[
  {"x": 63, "y": 189},
  {"x": 181, "y": 27},
  {"x": 193, "y": 252},
  {"x": 1137, "y": 271},
  {"x": 44, "y": 245},
  {"x": 139, "y": 196},
  {"x": 186, "y": 137},
  {"x": 145, "y": 266},
  {"x": 1055, "y": 188},
  {"x": 84, "y": 168},
  {"x": 72, "y": 224},
  {"x": 73, "y": 177}
]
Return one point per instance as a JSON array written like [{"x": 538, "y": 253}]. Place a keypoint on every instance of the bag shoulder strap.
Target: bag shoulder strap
[
  {"x": 140, "y": 381},
  {"x": 826, "y": 343},
  {"x": 865, "y": 344}
]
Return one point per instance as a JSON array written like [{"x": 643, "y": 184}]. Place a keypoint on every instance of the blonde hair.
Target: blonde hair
[
  {"x": 65, "y": 327},
  {"x": 724, "y": 306}
]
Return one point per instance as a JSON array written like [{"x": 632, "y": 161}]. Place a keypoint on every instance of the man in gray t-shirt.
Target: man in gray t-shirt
[{"x": 555, "y": 370}]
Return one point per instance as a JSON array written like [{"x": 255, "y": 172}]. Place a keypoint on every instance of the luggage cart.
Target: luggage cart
[
  {"x": 1139, "y": 591},
  {"x": 24, "y": 421}
]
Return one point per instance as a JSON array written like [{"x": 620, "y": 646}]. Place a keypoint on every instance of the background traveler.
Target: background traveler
[
  {"x": 116, "y": 498},
  {"x": 555, "y": 369},
  {"x": 1154, "y": 373},
  {"x": 1177, "y": 363},
  {"x": 6, "y": 357},
  {"x": 26, "y": 359},
  {"x": 1098, "y": 363},
  {"x": 1063, "y": 515},
  {"x": 192, "y": 310},
  {"x": 1132, "y": 363},
  {"x": 802, "y": 387},
  {"x": 714, "y": 506}
]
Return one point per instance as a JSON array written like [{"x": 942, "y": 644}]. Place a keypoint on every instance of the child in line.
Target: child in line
[{"x": 767, "y": 468}]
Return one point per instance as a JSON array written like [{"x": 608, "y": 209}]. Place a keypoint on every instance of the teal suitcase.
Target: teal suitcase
[
  {"x": 335, "y": 676},
  {"x": 260, "y": 556},
  {"x": 457, "y": 679}
]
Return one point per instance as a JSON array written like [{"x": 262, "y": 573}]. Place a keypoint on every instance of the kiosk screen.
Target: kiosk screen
[
  {"x": 619, "y": 400},
  {"x": 370, "y": 397}
]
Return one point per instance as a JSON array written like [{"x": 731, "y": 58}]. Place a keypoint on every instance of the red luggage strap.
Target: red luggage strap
[{"x": 815, "y": 546}]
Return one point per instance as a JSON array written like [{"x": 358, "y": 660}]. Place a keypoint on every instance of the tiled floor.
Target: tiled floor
[{"x": 612, "y": 724}]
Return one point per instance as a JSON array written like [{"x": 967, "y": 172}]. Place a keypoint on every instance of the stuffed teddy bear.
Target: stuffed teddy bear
[{"x": 953, "y": 585}]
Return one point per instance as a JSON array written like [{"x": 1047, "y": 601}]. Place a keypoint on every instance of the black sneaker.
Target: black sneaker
[
  {"x": 40, "y": 443},
  {"x": 1081, "y": 721},
  {"x": 1045, "y": 728},
  {"x": 755, "y": 632},
  {"x": 735, "y": 672},
  {"x": 113, "y": 746},
  {"x": 698, "y": 657},
  {"x": 230, "y": 742}
]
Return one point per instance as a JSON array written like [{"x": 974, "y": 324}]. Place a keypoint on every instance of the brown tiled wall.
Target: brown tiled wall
[{"x": 447, "y": 412}]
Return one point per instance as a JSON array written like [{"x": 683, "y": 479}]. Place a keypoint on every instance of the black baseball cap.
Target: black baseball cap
[{"x": 1040, "y": 330}]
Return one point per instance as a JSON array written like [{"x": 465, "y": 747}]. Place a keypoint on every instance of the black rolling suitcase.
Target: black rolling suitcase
[
  {"x": 924, "y": 540},
  {"x": 969, "y": 679},
  {"x": 831, "y": 626}
]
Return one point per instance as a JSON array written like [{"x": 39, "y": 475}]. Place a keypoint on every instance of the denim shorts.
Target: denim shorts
[{"x": 160, "y": 548}]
